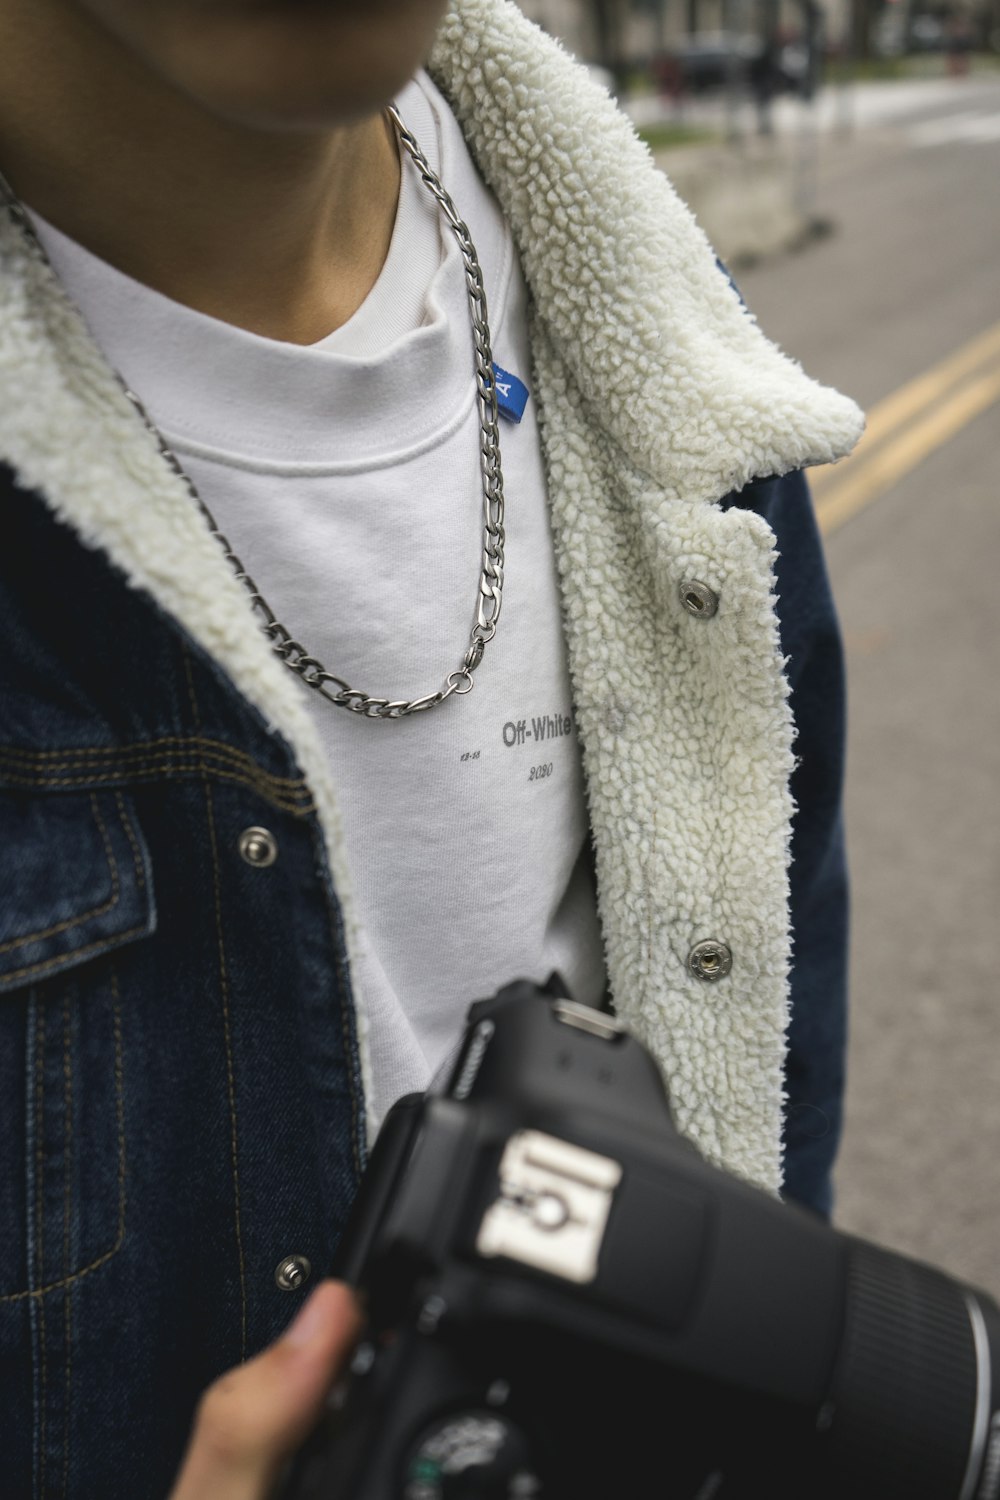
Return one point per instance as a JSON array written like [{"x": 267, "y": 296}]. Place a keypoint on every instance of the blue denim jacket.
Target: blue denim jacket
[
  {"x": 180, "y": 1096},
  {"x": 817, "y": 1035},
  {"x": 180, "y": 1102}
]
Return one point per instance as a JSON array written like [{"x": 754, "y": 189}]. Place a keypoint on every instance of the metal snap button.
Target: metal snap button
[
  {"x": 259, "y": 847},
  {"x": 710, "y": 960},
  {"x": 292, "y": 1272},
  {"x": 698, "y": 599}
]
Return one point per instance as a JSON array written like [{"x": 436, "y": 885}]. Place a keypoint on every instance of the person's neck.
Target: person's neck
[{"x": 283, "y": 234}]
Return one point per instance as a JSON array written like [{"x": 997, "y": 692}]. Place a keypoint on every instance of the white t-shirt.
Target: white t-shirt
[{"x": 346, "y": 476}]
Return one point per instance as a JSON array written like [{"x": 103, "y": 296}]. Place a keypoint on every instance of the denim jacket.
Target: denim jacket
[
  {"x": 179, "y": 1087},
  {"x": 181, "y": 1102},
  {"x": 182, "y": 1059}
]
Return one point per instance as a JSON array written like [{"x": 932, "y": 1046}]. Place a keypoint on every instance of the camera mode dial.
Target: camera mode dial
[{"x": 471, "y": 1455}]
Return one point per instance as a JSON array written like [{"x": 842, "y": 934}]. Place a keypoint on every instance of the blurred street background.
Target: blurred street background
[{"x": 844, "y": 157}]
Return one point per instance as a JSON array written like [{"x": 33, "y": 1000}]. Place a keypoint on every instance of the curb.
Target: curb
[{"x": 749, "y": 197}]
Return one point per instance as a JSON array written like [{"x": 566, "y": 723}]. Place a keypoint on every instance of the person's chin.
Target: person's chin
[{"x": 304, "y": 64}]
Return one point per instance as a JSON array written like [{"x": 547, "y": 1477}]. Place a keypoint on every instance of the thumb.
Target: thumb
[{"x": 255, "y": 1416}]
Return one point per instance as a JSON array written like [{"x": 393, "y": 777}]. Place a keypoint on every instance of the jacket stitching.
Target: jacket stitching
[
  {"x": 344, "y": 981},
  {"x": 106, "y": 942},
  {"x": 40, "y": 1229},
  {"x": 68, "y": 1305},
  {"x": 152, "y": 752},
  {"x": 67, "y": 1219},
  {"x": 95, "y": 911},
  {"x": 171, "y": 767},
  {"x": 151, "y": 755},
  {"x": 119, "y": 1105},
  {"x": 217, "y": 749},
  {"x": 140, "y": 873},
  {"x": 230, "y": 1079},
  {"x": 227, "y": 1032},
  {"x": 38, "y": 1293},
  {"x": 349, "y": 1057},
  {"x": 76, "y": 953},
  {"x": 189, "y": 745}
]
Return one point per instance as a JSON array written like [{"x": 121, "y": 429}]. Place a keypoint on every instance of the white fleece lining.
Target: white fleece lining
[
  {"x": 686, "y": 737},
  {"x": 658, "y": 393},
  {"x": 665, "y": 356}
]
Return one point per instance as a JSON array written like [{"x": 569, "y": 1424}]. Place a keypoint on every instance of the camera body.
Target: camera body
[{"x": 565, "y": 1300}]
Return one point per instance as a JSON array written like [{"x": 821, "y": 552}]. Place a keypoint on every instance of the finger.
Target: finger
[{"x": 255, "y": 1416}]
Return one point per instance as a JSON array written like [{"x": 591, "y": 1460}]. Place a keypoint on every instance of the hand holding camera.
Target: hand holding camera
[
  {"x": 567, "y": 1302},
  {"x": 252, "y": 1419}
]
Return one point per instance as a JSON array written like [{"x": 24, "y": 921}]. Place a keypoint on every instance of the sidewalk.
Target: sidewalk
[
  {"x": 756, "y": 196},
  {"x": 753, "y": 198}
]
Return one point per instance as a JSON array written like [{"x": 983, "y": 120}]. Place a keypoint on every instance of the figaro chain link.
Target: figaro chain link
[{"x": 292, "y": 652}]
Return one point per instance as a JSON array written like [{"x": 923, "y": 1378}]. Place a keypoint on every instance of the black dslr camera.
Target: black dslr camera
[{"x": 567, "y": 1303}]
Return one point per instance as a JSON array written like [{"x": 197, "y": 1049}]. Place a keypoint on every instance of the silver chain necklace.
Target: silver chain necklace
[{"x": 292, "y": 652}]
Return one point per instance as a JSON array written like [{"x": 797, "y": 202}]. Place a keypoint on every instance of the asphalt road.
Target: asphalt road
[{"x": 911, "y": 274}]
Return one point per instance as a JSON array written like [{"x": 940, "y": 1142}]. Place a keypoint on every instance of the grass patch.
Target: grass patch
[
  {"x": 658, "y": 137},
  {"x": 916, "y": 65}
]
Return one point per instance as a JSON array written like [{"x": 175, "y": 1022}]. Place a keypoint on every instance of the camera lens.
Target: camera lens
[
  {"x": 912, "y": 1396},
  {"x": 471, "y": 1455}
]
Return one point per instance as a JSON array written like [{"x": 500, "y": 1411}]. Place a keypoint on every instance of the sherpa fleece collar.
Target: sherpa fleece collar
[{"x": 671, "y": 365}]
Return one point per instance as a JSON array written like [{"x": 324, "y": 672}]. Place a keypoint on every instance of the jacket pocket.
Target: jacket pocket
[
  {"x": 75, "y": 889},
  {"x": 74, "y": 882}
]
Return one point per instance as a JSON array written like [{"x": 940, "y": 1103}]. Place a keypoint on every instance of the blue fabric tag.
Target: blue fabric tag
[{"x": 512, "y": 395}]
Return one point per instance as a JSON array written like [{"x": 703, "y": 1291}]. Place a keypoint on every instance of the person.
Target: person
[{"x": 282, "y": 788}]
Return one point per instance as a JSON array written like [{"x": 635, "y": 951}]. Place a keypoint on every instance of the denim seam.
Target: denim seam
[
  {"x": 99, "y": 946},
  {"x": 69, "y": 1387},
  {"x": 90, "y": 752},
  {"x": 67, "y": 1220},
  {"x": 95, "y": 911},
  {"x": 39, "y": 1233},
  {"x": 230, "y": 1078},
  {"x": 159, "y": 761},
  {"x": 156, "y": 765},
  {"x": 212, "y": 749},
  {"x": 102, "y": 942},
  {"x": 37, "y": 1294},
  {"x": 205, "y": 747},
  {"x": 140, "y": 873},
  {"x": 227, "y": 1032},
  {"x": 350, "y": 1053},
  {"x": 173, "y": 767}
]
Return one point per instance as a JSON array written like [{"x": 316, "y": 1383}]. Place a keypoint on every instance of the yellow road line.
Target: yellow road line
[
  {"x": 836, "y": 503},
  {"x": 909, "y": 401}
]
